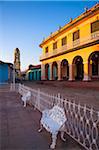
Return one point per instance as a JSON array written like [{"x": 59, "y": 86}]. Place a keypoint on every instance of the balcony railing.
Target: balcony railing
[
  {"x": 93, "y": 37},
  {"x": 76, "y": 43}
]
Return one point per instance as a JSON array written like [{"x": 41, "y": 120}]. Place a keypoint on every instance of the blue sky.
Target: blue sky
[{"x": 23, "y": 24}]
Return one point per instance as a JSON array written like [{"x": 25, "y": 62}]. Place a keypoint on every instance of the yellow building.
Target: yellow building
[{"x": 72, "y": 52}]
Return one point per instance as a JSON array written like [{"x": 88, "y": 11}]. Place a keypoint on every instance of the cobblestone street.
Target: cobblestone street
[{"x": 19, "y": 127}]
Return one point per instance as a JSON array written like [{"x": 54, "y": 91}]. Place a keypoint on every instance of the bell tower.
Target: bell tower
[{"x": 17, "y": 61}]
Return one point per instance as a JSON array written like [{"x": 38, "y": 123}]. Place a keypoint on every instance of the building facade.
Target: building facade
[
  {"x": 72, "y": 52},
  {"x": 34, "y": 73},
  {"x": 6, "y": 72}
]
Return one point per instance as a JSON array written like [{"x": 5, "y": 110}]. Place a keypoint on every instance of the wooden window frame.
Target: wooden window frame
[
  {"x": 95, "y": 28},
  {"x": 54, "y": 45},
  {"x": 78, "y": 35},
  {"x": 46, "y": 49},
  {"x": 64, "y": 41}
]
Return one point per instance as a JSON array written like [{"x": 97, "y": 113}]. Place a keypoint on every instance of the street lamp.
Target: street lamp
[{"x": 13, "y": 77}]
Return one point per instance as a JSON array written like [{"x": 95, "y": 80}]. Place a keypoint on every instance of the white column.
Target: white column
[
  {"x": 42, "y": 71},
  {"x": 50, "y": 66},
  {"x": 13, "y": 77},
  {"x": 59, "y": 70}
]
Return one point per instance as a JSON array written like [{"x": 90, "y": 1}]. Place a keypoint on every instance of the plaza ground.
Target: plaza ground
[
  {"x": 85, "y": 93},
  {"x": 19, "y": 126}
]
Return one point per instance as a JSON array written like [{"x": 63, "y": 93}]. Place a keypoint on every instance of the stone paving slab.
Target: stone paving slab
[{"x": 19, "y": 127}]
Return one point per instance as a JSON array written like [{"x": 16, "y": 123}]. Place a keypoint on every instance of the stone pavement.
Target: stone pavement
[
  {"x": 19, "y": 127},
  {"x": 80, "y": 92}
]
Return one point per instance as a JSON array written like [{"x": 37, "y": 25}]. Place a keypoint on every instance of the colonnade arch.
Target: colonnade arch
[
  {"x": 54, "y": 70},
  {"x": 93, "y": 65},
  {"x": 78, "y": 71},
  {"x": 64, "y": 69},
  {"x": 78, "y": 68},
  {"x": 47, "y": 72}
]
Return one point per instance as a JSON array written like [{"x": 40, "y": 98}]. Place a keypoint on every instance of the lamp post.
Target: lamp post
[{"x": 13, "y": 77}]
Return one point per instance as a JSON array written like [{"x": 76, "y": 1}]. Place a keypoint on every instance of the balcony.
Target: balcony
[
  {"x": 93, "y": 37},
  {"x": 76, "y": 43}
]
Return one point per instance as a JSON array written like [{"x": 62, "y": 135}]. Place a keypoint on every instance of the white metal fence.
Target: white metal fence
[{"x": 82, "y": 123}]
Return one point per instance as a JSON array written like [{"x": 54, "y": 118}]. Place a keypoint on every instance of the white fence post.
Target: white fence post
[
  {"x": 12, "y": 87},
  {"x": 38, "y": 99},
  {"x": 58, "y": 98}
]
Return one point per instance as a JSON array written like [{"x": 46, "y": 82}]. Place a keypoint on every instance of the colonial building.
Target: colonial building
[
  {"x": 72, "y": 52},
  {"x": 6, "y": 72},
  {"x": 34, "y": 73},
  {"x": 17, "y": 62}
]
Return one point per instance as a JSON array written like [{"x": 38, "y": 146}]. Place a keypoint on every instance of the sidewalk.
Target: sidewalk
[{"x": 19, "y": 127}]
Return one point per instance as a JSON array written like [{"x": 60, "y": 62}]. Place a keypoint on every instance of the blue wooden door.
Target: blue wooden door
[{"x": 3, "y": 73}]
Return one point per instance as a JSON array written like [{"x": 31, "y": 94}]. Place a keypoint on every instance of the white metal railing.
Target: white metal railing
[
  {"x": 82, "y": 123},
  {"x": 93, "y": 36}
]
